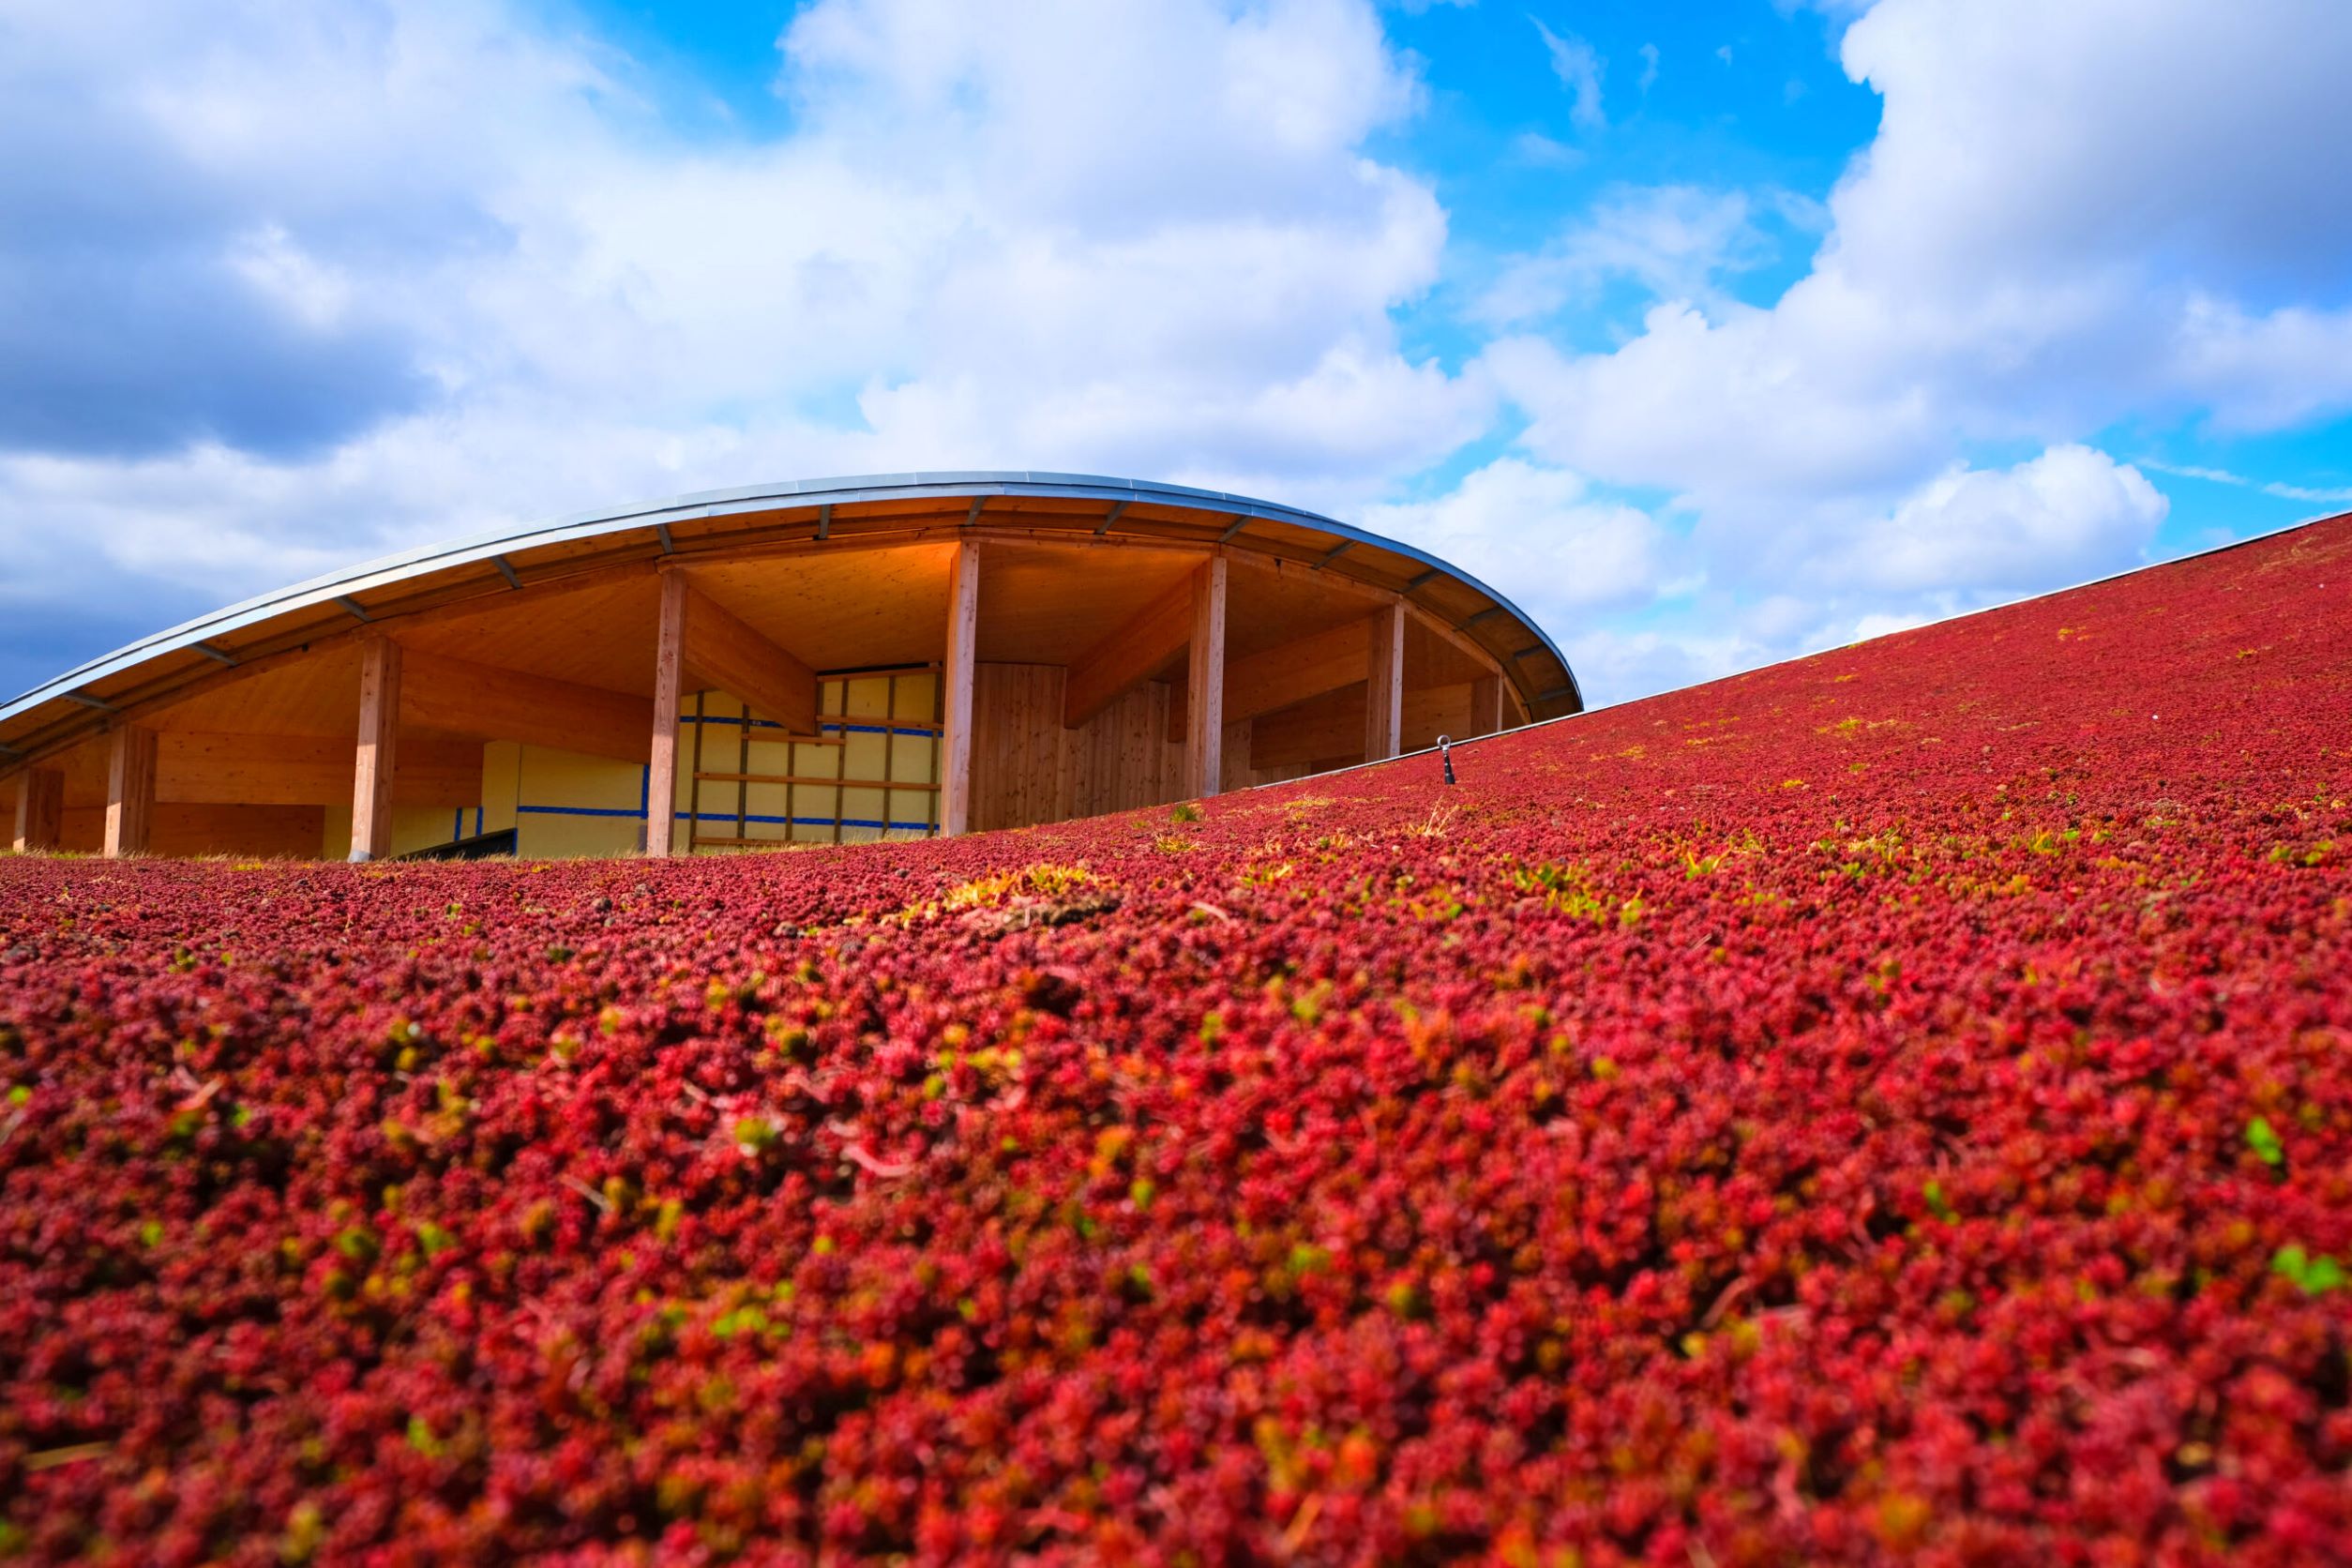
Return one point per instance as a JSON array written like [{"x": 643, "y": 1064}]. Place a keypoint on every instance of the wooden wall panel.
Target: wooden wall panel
[
  {"x": 309, "y": 770},
  {"x": 1236, "y": 772},
  {"x": 1017, "y": 741},
  {"x": 1275, "y": 678},
  {"x": 40, "y": 808},
  {"x": 131, "y": 792},
  {"x": 1121, "y": 759},
  {"x": 184, "y": 828},
  {"x": 1439, "y": 711},
  {"x": 1330, "y": 729},
  {"x": 1486, "y": 707}
]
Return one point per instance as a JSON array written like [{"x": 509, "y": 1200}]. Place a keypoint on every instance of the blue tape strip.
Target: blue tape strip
[
  {"x": 685, "y": 817},
  {"x": 822, "y": 724}
]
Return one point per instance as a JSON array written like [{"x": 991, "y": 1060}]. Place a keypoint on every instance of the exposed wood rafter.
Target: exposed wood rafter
[
  {"x": 721, "y": 651},
  {"x": 1128, "y": 656},
  {"x": 464, "y": 698}
]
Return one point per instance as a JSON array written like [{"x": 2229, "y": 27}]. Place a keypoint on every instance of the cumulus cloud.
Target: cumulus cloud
[
  {"x": 282, "y": 283},
  {"x": 1539, "y": 535},
  {"x": 2068, "y": 217},
  {"x": 2069, "y": 514}
]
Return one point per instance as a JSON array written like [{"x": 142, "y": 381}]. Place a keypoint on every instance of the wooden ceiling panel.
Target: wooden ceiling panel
[
  {"x": 1043, "y": 605},
  {"x": 598, "y": 634},
  {"x": 1432, "y": 660},
  {"x": 841, "y": 610},
  {"x": 1264, "y": 611},
  {"x": 318, "y": 695}
]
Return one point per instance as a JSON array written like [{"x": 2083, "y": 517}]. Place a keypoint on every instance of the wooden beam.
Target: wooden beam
[
  {"x": 1445, "y": 630},
  {"x": 378, "y": 757},
  {"x": 129, "y": 791},
  {"x": 1384, "y": 684},
  {"x": 722, "y": 651},
  {"x": 1204, "y": 683},
  {"x": 1311, "y": 570},
  {"x": 309, "y": 770},
  {"x": 1486, "y": 705},
  {"x": 147, "y": 701},
  {"x": 40, "y": 808},
  {"x": 1128, "y": 656},
  {"x": 464, "y": 698},
  {"x": 1319, "y": 662},
  {"x": 661, "y": 775},
  {"x": 964, "y": 631}
]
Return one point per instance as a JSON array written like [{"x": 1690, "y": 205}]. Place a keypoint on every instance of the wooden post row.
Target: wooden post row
[
  {"x": 379, "y": 737},
  {"x": 131, "y": 792},
  {"x": 661, "y": 780},
  {"x": 955, "y": 674}
]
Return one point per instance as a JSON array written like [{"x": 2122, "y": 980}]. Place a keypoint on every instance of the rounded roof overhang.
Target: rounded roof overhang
[{"x": 710, "y": 524}]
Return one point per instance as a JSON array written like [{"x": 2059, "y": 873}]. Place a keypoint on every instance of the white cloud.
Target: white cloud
[
  {"x": 1675, "y": 241},
  {"x": 1578, "y": 66},
  {"x": 1143, "y": 240},
  {"x": 1537, "y": 534},
  {"x": 2069, "y": 514},
  {"x": 2070, "y": 215}
]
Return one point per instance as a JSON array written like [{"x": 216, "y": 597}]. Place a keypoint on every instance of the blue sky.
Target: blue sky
[{"x": 1711, "y": 334}]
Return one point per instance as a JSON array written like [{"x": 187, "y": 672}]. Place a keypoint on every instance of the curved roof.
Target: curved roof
[{"x": 197, "y": 655}]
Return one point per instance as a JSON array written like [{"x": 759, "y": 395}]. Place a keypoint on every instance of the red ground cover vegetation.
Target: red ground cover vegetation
[{"x": 1892, "y": 1106}]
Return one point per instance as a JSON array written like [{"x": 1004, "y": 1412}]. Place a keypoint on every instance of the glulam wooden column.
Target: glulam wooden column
[
  {"x": 131, "y": 792},
  {"x": 1204, "y": 683},
  {"x": 956, "y": 673},
  {"x": 1384, "y": 684},
  {"x": 661, "y": 777},
  {"x": 379, "y": 735},
  {"x": 40, "y": 808}
]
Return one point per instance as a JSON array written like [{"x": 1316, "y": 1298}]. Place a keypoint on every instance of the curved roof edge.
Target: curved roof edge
[{"x": 719, "y": 503}]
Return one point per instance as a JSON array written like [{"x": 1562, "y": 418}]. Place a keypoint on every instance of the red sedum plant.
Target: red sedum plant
[{"x": 1892, "y": 1106}]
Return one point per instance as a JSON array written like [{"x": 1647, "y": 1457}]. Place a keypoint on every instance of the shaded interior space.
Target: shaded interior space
[{"x": 941, "y": 665}]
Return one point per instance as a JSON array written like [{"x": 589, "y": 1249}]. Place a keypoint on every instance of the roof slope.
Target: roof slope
[{"x": 1892, "y": 1104}]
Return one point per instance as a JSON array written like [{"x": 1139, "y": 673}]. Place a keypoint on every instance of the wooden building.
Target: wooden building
[{"x": 856, "y": 658}]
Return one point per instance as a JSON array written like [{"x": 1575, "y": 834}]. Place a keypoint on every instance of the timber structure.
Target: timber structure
[{"x": 894, "y": 656}]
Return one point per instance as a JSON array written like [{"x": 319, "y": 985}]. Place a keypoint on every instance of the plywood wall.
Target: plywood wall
[
  {"x": 1020, "y": 768},
  {"x": 1122, "y": 757},
  {"x": 182, "y": 828}
]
